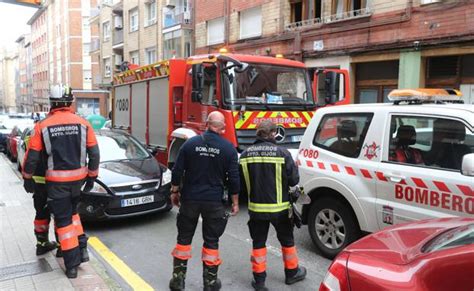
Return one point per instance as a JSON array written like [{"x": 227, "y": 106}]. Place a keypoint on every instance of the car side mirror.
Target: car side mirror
[
  {"x": 198, "y": 82},
  {"x": 331, "y": 83},
  {"x": 467, "y": 168}
]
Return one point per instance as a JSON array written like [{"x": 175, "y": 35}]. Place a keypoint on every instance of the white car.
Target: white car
[{"x": 369, "y": 166}]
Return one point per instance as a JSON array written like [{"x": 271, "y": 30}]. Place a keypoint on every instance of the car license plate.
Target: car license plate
[
  {"x": 137, "y": 201},
  {"x": 296, "y": 138}
]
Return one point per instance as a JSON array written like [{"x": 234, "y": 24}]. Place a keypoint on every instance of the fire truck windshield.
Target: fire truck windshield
[{"x": 267, "y": 85}]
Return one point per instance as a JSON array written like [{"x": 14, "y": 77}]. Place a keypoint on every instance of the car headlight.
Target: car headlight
[
  {"x": 166, "y": 177},
  {"x": 97, "y": 188}
]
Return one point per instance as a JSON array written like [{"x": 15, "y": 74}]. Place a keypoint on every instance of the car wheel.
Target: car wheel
[{"x": 332, "y": 226}]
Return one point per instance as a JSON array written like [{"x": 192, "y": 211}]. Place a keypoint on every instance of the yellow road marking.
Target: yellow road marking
[{"x": 118, "y": 265}]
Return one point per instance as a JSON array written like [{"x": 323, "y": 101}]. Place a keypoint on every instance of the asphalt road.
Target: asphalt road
[{"x": 144, "y": 243}]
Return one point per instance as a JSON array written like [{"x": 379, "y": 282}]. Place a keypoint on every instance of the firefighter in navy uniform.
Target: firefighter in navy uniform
[
  {"x": 267, "y": 172},
  {"x": 66, "y": 140},
  {"x": 42, "y": 215},
  {"x": 204, "y": 165}
]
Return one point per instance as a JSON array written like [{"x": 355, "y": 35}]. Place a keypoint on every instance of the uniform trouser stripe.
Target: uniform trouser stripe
[
  {"x": 259, "y": 260},
  {"x": 41, "y": 225},
  {"x": 182, "y": 252},
  {"x": 76, "y": 221},
  {"x": 210, "y": 257},
  {"x": 68, "y": 237},
  {"x": 289, "y": 257}
]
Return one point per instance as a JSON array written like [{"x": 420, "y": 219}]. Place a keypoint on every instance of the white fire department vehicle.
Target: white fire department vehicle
[{"x": 366, "y": 167}]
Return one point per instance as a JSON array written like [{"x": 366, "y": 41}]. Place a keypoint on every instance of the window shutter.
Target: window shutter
[
  {"x": 215, "y": 31},
  {"x": 251, "y": 22}
]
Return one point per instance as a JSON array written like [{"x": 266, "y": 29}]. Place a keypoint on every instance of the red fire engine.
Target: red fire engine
[{"x": 166, "y": 103}]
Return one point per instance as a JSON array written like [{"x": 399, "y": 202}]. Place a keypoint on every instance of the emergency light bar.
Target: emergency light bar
[{"x": 423, "y": 95}]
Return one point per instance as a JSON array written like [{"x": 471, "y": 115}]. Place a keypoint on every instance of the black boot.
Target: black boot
[
  {"x": 295, "y": 275},
  {"x": 43, "y": 245},
  {"x": 84, "y": 255},
  {"x": 71, "y": 273},
  {"x": 209, "y": 276},
  {"x": 179, "y": 274},
  {"x": 258, "y": 282},
  {"x": 59, "y": 253}
]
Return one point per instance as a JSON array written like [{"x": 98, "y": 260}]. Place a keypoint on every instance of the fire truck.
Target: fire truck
[{"x": 164, "y": 104}]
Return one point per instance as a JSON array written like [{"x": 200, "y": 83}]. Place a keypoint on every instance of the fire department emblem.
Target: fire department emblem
[{"x": 371, "y": 150}]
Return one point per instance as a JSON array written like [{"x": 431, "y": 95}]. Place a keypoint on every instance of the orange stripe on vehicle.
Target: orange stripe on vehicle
[
  {"x": 419, "y": 183},
  {"x": 335, "y": 168},
  {"x": 381, "y": 176},
  {"x": 366, "y": 173},
  {"x": 350, "y": 171},
  {"x": 466, "y": 190},
  {"x": 441, "y": 186},
  {"x": 321, "y": 165},
  {"x": 309, "y": 163}
]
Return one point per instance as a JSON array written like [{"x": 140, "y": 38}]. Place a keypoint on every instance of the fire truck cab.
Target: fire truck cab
[{"x": 168, "y": 102}]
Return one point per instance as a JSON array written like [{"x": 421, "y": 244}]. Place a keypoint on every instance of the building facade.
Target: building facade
[
  {"x": 9, "y": 75},
  {"x": 384, "y": 44},
  {"x": 24, "y": 86},
  {"x": 65, "y": 34}
]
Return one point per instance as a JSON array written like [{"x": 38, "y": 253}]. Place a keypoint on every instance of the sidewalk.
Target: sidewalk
[{"x": 20, "y": 268}]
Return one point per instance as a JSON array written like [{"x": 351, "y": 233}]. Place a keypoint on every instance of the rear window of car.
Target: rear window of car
[
  {"x": 343, "y": 133},
  {"x": 460, "y": 236}
]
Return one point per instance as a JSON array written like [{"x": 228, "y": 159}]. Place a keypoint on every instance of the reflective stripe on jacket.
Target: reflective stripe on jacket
[{"x": 267, "y": 171}]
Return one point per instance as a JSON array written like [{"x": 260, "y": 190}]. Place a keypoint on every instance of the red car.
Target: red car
[
  {"x": 12, "y": 141},
  {"x": 435, "y": 254}
]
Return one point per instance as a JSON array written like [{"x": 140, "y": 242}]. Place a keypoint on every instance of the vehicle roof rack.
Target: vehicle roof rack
[{"x": 424, "y": 95}]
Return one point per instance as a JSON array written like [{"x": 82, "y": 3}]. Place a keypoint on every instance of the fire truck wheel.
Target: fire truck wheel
[{"x": 332, "y": 226}]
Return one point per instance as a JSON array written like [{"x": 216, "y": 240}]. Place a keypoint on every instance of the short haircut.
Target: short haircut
[{"x": 266, "y": 128}]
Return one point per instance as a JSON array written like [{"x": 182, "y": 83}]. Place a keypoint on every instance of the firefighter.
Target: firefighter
[
  {"x": 42, "y": 215},
  {"x": 267, "y": 172},
  {"x": 66, "y": 141},
  {"x": 205, "y": 163}
]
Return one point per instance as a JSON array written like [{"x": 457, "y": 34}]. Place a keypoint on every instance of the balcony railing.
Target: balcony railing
[
  {"x": 171, "y": 18},
  {"x": 118, "y": 37},
  {"x": 95, "y": 45},
  {"x": 317, "y": 22}
]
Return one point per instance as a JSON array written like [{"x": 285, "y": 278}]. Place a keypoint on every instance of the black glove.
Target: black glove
[
  {"x": 89, "y": 183},
  {"x": 29, "y": 185}
]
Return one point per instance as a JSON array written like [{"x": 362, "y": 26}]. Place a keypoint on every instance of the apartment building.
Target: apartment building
[
  {"x": 24, "y": 86},
  {"x": 39, "y": 59},
  {"x": 64, "y": 40},
  {"x": 9, "y": 75},
  {"x": 385, "y": 44},
  {"x": 139, "y": 32}
]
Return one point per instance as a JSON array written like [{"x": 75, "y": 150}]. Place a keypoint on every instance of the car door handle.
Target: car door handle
[{"x": 395, "y": 178}]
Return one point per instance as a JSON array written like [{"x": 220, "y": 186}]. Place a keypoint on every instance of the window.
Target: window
[
  {"x": 134, "y": 58},
  {"x": 172, "y": 44},
  {"x": 343, "y": 134},
  {"x": 251, "y": 23},
  {"x": 133, "y": 20},
  {"x": 87, "y": 106},
  {"x": 107, "y": 67},
  {"x": 150, "y": 13},
  {"x": 209, "y": 88},
  {"x": 429, "y": 141},
  {"x": 150, "y": 55},
  {"x": 215, "y": 31},
  {"x": 106, "y": 30},
  {"x": 340, "y": 7}
]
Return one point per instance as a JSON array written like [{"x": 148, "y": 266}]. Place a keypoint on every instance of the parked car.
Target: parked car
[
  {"x": 4, "y": 132},
  {"x": 13, "y": 139},
  {"x": 131, "y": 181},
  {"x": 21, "y": 146},
  {"x": 435, "y": 254},
  {"x": 369, "y": 166}
]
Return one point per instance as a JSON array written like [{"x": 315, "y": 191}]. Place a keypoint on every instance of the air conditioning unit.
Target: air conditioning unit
[
  {"x": 187, "y": 17},
  {"x": 118, "y": 22},
  {"x": 170, "y": 4}
]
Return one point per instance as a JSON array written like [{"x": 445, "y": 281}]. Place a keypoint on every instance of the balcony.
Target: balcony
[
  {"x": 318, "y": 22},
  {"x": 95, "y": 45},
  {"x": 117, "y": 8},
  {"x": 117, "y": 41},
  {"x": 177, "y": 16}
]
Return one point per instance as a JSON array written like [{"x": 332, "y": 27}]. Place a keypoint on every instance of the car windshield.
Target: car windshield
[
  {"x": 267, "y": 84},
  {"x": 460, "y": 236},
  {"x": 120, "y": 147}
]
